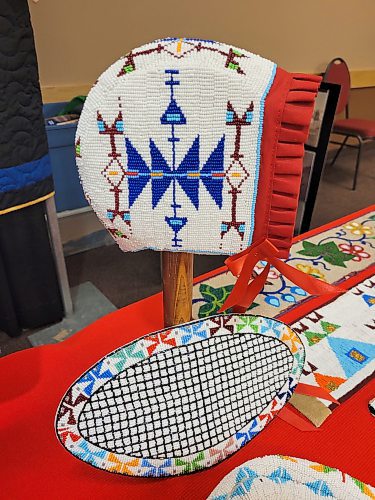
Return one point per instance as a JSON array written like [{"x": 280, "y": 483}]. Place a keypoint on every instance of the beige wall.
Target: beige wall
[
  {"x": 77, "y": 39},
  {"x": 362, "y": 103}
]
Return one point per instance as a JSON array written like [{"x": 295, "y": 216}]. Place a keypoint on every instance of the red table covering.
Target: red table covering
[{"x": 34, "y": 464}]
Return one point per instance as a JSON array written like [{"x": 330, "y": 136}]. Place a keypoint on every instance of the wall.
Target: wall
[
  {"x": 362, "y": 103},
  {"x": 77, "y": 39}
]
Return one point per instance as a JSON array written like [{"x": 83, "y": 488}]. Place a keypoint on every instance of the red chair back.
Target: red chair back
[{"x": 338, "y": 72}]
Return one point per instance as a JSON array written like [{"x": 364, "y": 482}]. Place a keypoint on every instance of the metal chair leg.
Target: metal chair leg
[
  {"x": 339, "y": 151},
  {"x": 357, "y": 163}
]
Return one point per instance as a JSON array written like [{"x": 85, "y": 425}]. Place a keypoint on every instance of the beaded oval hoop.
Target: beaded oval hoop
[
  {"x": 181, "y": 399},
  {"x": 196, "y": 146},
  {"x": 280, "y": 476}
]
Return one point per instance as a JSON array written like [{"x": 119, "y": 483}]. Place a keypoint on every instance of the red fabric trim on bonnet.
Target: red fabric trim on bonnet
[{"x": 287, "y": 114}]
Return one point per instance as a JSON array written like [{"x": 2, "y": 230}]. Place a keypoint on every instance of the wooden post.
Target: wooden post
[{"x": 177, "y": 270}]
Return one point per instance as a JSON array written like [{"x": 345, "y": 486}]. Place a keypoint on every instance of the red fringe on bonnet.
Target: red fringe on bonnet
[{"x": 283, "y": 165}]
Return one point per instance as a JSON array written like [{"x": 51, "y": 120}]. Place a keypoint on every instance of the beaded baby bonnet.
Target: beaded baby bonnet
[{"x": 194, "y": 145}]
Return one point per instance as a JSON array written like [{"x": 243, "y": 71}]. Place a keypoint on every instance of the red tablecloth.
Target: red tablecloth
[{"x": 34, "y": 464}]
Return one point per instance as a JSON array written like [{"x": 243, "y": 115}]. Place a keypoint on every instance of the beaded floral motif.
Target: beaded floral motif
[{"x": 330, "y": 256}]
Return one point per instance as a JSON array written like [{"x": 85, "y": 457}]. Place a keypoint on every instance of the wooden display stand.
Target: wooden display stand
[{"x": 177, "y": 271}]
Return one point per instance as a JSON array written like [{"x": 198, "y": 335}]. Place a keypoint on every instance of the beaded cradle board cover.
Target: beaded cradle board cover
[
  {"x": 181, "y": 399},
  {"x": 194, "y": 145},
  {"x": 289, "y": 478}
]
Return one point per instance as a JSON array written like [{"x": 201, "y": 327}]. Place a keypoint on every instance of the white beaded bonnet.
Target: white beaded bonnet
[{"x": 194, "y": 145}]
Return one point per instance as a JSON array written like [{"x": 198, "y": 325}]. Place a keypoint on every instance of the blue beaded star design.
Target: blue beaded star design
[{"x": 188, "y": 174}]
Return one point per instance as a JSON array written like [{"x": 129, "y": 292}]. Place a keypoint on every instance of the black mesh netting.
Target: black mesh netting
[{"x": 186, "y": 399}]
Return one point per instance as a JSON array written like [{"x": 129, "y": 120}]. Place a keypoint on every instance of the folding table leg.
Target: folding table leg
[{"x": 57, "y": 247}]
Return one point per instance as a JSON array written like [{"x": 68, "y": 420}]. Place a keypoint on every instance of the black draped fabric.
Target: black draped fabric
[{"x": 29, "y": 292}]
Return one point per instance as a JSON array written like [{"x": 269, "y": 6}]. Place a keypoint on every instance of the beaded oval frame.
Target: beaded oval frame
[{"x": 76, "y": 421}]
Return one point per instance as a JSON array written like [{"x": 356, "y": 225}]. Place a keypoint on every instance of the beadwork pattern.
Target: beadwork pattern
[
  {"x": 168, "y": 146},
  {"x": 181, "y": 399},
  {"x": 281, "y": 476}
]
